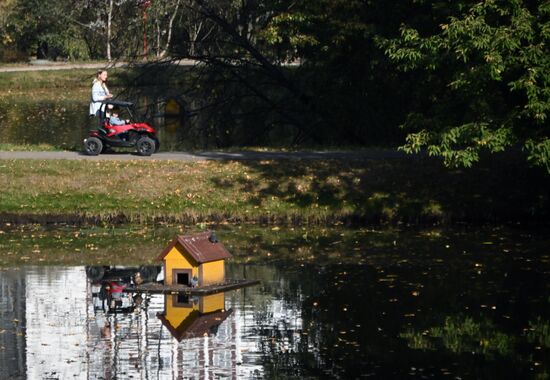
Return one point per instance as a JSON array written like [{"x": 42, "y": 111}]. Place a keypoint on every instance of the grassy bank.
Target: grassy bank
[
  {"x": 5, "y": 147},
  {"x": 73, "y": 78},
  {"x": 298, "y": 192},
  {"x": 54, "y": 80}
]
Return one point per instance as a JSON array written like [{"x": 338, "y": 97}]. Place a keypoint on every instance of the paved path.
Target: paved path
[
  {"x": 372, "y": 154},
  {"x": 48, "y": 66}
]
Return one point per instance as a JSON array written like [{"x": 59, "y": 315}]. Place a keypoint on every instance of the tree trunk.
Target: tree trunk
[
  {"x": 170, "y": 24},
  {"x": 157, "y": 48},
  {"x": 109, "y": 18}
]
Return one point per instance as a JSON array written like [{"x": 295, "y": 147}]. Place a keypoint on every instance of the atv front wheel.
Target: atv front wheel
[
  {"x": 93, "y": 146},
  {"x": 145, "y": 146}
]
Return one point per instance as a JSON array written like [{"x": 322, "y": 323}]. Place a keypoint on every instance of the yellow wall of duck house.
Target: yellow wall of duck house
[
  {"x": 177, "y": 259},
  {"x": 213, "y": 273},
  {"x": 176, "y": 314},
  {"x": 213, "y": 302}
]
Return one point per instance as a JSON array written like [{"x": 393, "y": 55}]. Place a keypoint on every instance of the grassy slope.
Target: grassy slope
[
  {"x": 56, "y": 79},
  {"x": 283, "y": 191}
]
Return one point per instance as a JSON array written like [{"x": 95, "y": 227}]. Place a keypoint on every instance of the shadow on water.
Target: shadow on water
[{"x": 333, "y": 303}]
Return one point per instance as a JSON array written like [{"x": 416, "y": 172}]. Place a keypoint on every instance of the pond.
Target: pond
[
  {"x": 61, "y": 120},
  {"x": 332, "y": 303}
]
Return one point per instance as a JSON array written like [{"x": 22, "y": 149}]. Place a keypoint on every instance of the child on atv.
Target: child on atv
[{"x": 114, "y": 120}]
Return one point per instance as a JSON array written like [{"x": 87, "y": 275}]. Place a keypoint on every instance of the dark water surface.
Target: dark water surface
[{"x": 333, "y": 303}]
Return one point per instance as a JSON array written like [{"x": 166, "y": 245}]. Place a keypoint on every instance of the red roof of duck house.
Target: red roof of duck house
[
  {"x": 200, "y": 246},
  {"x": 197, "y": 324}
]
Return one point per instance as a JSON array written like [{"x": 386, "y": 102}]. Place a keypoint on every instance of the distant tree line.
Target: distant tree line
[{"x": 454, "y": 78}]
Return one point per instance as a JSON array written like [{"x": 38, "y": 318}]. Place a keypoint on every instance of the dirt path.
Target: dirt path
[{"x": 369, "y": 154}]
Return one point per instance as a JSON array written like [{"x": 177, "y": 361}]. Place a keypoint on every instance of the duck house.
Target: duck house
[{"x": 194, "y": 260}]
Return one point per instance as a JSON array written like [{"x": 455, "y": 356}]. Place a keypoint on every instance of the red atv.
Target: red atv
[{"x": 128, "y": 134}]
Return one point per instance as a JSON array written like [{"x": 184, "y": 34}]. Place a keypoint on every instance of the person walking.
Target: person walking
[{"x": 100, "y": 92}]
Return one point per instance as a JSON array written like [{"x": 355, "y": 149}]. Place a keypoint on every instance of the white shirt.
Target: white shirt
[{"x": 99, "y": 93}]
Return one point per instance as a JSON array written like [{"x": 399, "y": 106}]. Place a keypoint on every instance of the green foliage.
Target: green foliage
[
  {"x": 539, "y": 332},
  {"x": 50, "y": 27},
  {"x": 459, "y": 146},
  {"x": 539, "y": 152},
  {"x": 489, "y": 65},
  {"x": 463, "y": 334},
  {"x": 69, "y": 46}
]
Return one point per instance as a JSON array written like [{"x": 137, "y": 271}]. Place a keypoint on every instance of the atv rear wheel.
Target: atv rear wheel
[
  {"x": 93, "y": 146},
  {"x": 145, "y": 146}
]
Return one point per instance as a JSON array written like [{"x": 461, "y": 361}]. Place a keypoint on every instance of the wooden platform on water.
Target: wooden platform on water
[{"x": 198, "y": 291}]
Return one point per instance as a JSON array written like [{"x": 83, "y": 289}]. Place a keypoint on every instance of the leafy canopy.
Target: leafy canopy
[{"x": 488, "y": 71}]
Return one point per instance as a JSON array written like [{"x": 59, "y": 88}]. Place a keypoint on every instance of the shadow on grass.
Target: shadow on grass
[{"x": 501, "y": 188}]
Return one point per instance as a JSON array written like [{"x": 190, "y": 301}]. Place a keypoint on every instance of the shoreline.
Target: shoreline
[{"x": 356, "y": 220}]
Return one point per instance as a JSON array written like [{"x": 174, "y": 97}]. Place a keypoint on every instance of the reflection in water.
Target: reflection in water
[
  {"x": 55, "y": 323},
  {"x": 412, "y": 304},
  {"x": 61, "y": 334},
  {"x": 12, "y": 318},
  {"x": 188, "y": 316}
]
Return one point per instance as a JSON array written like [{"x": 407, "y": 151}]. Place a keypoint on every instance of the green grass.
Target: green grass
[
  {"x": 297, "y": 191},
  {"x": 59, "y": 79},
  {"x": 56, "y": 79},
  {"x": 28, "y": 147}
]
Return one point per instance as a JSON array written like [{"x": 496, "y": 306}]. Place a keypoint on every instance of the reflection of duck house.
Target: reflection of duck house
[
  {"x": 200, "y": 256},
  {"x": 190, "y": 317}
]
